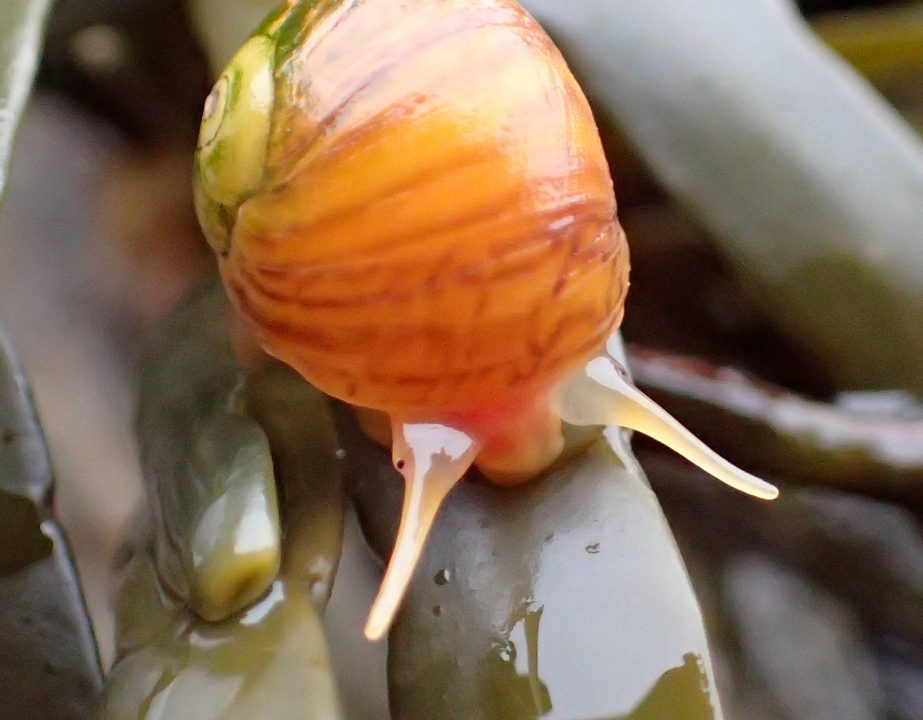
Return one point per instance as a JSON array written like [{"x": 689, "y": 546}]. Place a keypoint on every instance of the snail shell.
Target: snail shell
[
  {"x": 411, "y": 207},
  {"x": 435, "y": 225}
]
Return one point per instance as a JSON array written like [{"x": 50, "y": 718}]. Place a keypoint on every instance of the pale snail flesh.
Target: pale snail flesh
[{"x": 411, "y": 207}]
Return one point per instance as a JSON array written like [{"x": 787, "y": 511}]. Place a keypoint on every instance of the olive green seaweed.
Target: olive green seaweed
[
  {"x": 255, "y": 646},
  {"x": 207, "y": 466},
  {"x": 305, "y": 449},
  {"x": 669, "y": 698},
  {"x": 48, "y": 658},
  {"x": 807, "y": 177},
  {"x": 270, "y": 661}
]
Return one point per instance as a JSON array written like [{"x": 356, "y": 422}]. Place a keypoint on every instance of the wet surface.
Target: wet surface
[
  {"x": 207, "y": 467},
  {"x": 268, "y": 661},
  {"x": 510, "y": 616},
  {"x": 207, "y": 435},
  {"x": 49, "y": 668},
  {"x": 308, "y": 464}
]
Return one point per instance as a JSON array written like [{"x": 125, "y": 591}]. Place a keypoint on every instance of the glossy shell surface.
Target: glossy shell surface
[{"x": 434, "y": 229}]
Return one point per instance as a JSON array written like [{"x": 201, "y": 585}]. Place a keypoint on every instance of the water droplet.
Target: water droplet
[
  {"x": 443, "y": 576},
  {"x": 593, "y": 549}
]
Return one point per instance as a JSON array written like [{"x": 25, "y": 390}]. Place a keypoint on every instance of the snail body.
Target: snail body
[{"x": 411, "y": 207}]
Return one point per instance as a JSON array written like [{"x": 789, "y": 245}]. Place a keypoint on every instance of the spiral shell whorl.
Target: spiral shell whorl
[{"x": 436, "y": 226}]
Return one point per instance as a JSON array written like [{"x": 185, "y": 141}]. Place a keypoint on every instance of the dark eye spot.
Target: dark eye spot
[{"x": 400, "y": 464}]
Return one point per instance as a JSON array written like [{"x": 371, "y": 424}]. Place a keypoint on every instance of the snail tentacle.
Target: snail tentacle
[
  {"x": 432, "y": 458},
  {"x": 603, "y": 395}
]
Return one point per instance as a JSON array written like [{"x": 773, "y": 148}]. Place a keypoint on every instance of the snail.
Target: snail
[{"x": 411, "y": 207}]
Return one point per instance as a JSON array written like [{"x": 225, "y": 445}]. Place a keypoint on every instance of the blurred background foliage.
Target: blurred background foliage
[{"x": 774, "y": 204}]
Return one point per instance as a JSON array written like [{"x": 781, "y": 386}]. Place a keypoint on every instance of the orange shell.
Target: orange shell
[{"x": 436, "y": 231}]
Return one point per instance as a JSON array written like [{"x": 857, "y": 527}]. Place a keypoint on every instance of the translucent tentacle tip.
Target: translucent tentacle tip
[{"x": 603, "y": 395}]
